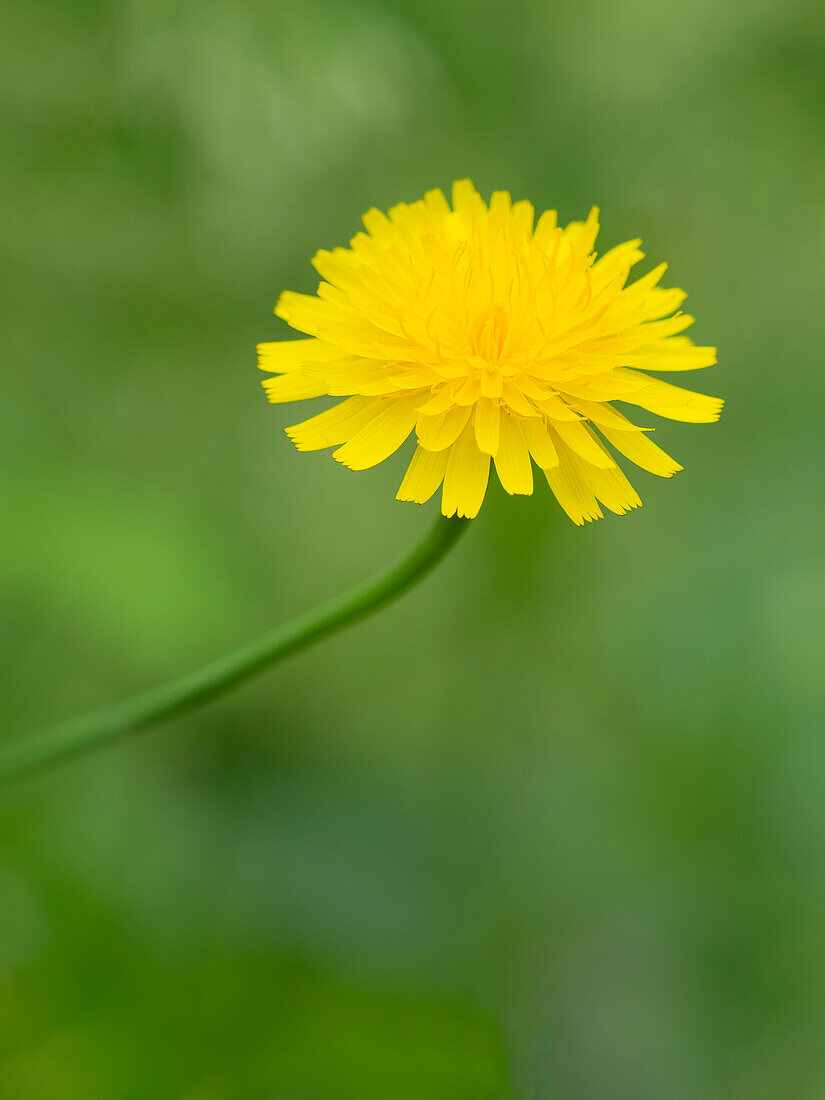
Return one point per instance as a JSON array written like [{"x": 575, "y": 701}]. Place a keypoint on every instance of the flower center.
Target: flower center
[{"x": 488, "y": 337}]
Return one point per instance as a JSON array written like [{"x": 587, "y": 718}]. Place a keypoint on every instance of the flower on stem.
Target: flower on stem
[{"x": 491, "y": 339}]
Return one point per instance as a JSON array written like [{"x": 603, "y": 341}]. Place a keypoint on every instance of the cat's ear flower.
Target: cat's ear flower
[{"x": 493, "y": 339}]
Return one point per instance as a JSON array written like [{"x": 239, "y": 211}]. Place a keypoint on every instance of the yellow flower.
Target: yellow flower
[{"x": 490, "y": 339}]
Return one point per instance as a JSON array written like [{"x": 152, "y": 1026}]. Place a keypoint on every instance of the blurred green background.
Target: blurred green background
[{"x": 553, "y": 826}]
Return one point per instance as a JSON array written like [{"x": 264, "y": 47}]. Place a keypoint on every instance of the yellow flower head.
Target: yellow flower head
[{"x": 490, "y": 339}]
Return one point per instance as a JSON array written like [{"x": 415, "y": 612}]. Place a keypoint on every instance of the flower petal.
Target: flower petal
[
  {"x": 579, "y": 486},
  {"x": 487, "y": 418},
  {"x": 335, "y": 425},
  {"x": 541, "y": 446},
  {"x": 571, "y": 490},
  {"x": 439, "y": 431},
  {"x": 380, "y": 437},
  {"x": 603, "y": 414},
  {"x": 641, "y": 449},
  {"x": 673, "y": 402},
  {"x": 295, "y": 386},
  {"x": 580, "y": 439},
  {"x": 288, "y": 355},
  {"x": 466, "y": 476},
  {"x": 424, "y": 475},
  {"x": 512, "y": 458}
]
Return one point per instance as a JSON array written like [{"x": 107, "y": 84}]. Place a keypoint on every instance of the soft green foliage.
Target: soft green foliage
[{"x": 553, "y": 826}]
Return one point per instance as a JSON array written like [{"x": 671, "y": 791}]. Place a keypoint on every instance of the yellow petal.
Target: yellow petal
[
  {"x": 540, "y": 444},
  {"x": 467, "y": 202},
  {"x": 378, "y": 225},
  {"x": 603, "y": 414},
  {"x": 293, "y": 387},
  {"x": 487, "y": 419},
  {"x": 466, "y": 476},
  {"x": 335, "y": 425},
  {"x": 436, "y": 203},
  {"x": 556, "y": 409},
  {"x": 611, "y": 385},
  {"x": 439, "y": 431},
  {"x": 615, "y": 262},
  {"x": 333, "y": 324},
  {"x": 424, "y": 475},
  {"x": 381, "y": 437},
  {"x": 340, "y": 267},
  {"x": 613, "y": 489},
  {"x": 411, "y": 377},
  {"x": 513, "y": 397},
  {"x": 352, "y": 376},
  {"x": 289, "y": 355},
  {"x": 303, "y": 311},
  {"x": 442, "y": 400},
  {"x": 469, "y": 393},
  {"x": 536, "y": 391},
  {"x": 641, "y": 449},
  {"x": 513, "y": 458},
  {"x": 573, "y": 493},
  {"x": 491, "y": 383},
  {"x": 673, "y": 402},
  {"x": 674, "y": 353},
  {"x": 546, "y": 230},
  {"x": 579, "y": 486},
  {"x": 580, "y": 439},
  {"x": 500, "y": 202},
  {"x": 657, "y": 330},
  {"x": 582, "y": 235},
  {"x": 661, "y": 301},
  {"x": 524, "y": 213}
]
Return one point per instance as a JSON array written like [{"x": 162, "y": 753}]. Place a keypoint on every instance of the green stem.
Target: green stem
[{"x": 104, "y": 726}]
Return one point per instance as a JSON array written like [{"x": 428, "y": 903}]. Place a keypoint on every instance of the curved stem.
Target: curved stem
[{"x": 104, "y": 726}]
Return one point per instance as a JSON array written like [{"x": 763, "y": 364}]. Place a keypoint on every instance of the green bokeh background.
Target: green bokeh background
[{"x": 553, "y": 826}]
